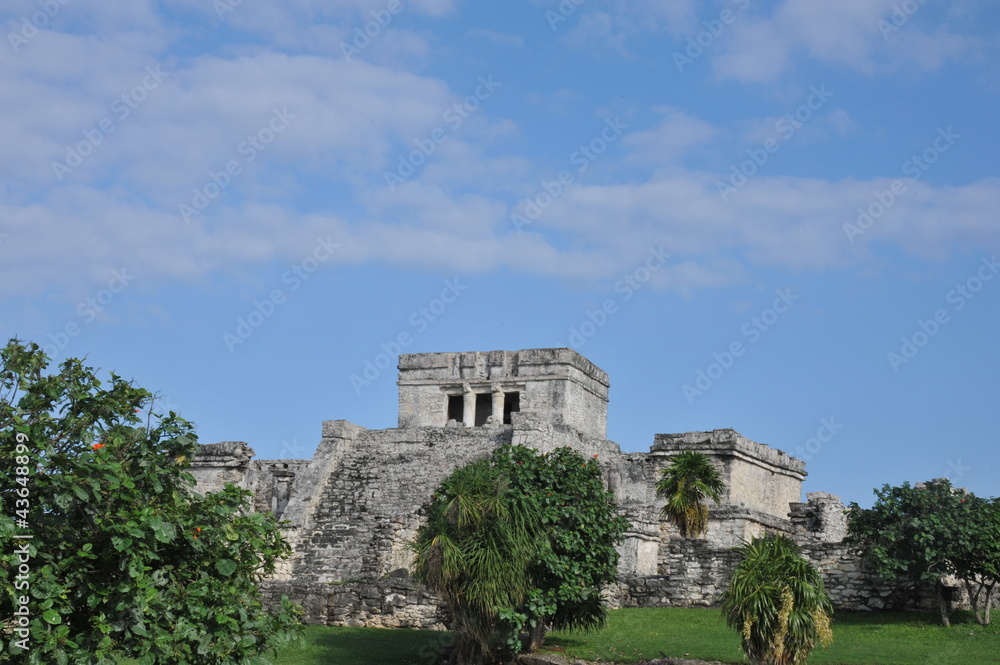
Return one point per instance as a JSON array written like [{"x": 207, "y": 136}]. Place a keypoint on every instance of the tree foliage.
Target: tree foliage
[
  {"x": 778, "y": 602},
  {"x": 577, "y": 556},
  {"x": 535, "y": 554},
  {"x": 686, "y": 484},
  {"x": 920, "y": 534},
  {"x": 475, "y": 550},
  {"x": 979, "y": 566},
  {"x": 123, "y": 559}
]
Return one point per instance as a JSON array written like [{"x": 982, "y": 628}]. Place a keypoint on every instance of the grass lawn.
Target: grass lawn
[
  {"x": 884, "y": 638},
  {"x": 329, "y": 645},
  {"x": 860, "y": 638}
]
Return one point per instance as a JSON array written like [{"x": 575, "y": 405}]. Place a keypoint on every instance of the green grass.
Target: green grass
[
  {"x": 326, "y": 645},
  {"x": 860, "y": 638}
]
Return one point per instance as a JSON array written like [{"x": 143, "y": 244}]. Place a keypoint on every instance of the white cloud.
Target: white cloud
[
  {"x": 352, "y": 121},
  {"x": 505, "y": 39},
  {"x": 846, "y": 34},
  {"x": 667, "y": 142}
]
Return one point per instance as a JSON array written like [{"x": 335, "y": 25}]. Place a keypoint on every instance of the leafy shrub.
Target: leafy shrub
[
  {"x": 778, "y": 602},
  {"x": 124, "y": 559}
]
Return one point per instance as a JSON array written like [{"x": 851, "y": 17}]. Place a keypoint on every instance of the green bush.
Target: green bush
[
  {"x": 778, "y": 602},
  {"x": 124, "y": 560},
  {"x": 520, "y": 541},
  {"x": 919, "y": 534}
]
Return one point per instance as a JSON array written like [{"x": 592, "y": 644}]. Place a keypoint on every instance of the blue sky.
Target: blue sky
[{"x": 779, "y": 217}]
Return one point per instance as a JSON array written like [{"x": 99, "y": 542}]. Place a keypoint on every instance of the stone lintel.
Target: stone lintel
[{"x": 416, "y": 366}]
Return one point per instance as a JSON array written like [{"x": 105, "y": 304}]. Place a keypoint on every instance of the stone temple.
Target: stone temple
[{"x": 353, "y": 509}]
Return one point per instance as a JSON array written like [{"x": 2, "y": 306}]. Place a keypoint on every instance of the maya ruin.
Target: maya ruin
[{"x": 355, "y": 506}]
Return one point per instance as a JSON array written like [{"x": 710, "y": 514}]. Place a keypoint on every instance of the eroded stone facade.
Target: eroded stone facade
[{"x": 353, "y": 509}]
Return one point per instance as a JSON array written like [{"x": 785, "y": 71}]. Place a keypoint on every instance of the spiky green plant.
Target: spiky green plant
[
  {"x": 475, "y": 550},
  {"x": 686, "y": 484},
  {"x": 778, "y": 602}
]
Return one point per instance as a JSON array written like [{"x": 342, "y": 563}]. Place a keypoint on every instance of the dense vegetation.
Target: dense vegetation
[
  {"x": 516, "y": 543},
  {"x": 105, "y": 550},
  {"x": 921, "y": 533}
]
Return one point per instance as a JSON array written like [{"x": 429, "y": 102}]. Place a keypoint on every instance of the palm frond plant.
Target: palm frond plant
[
  {"x": 475, "y": 550},
  {"x": 777, "y": 600},
  {"x": 686, "y": 484}
]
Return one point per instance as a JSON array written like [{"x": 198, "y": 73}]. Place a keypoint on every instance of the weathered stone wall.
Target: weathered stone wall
[
  {"x": 558, "y": 385},
  {"x": 220, "y": 463},
  {"x": 386, "y": 603},
  {"x": 368, "y": 506},
  {"x": 271, "y": 481}
]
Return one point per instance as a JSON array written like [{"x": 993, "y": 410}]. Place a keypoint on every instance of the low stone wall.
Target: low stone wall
[
  {"x": 853, "y": 586},
  {"x": 691, "y": 573},
  {"x": 694, "y": 573},
  {"x": 386, "y": 603}
]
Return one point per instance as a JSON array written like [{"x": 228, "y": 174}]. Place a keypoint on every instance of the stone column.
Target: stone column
[
  {"x": 497, "y": 405},
  {"x": 469, "y": 407}
]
